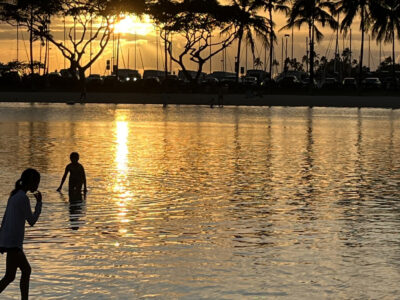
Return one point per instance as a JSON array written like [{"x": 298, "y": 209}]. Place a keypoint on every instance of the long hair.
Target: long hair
[{"x": 26, "y": 176}]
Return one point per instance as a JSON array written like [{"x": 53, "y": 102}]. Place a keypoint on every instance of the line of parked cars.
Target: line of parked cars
[
  {"x": 153, "y": 79},
  {"x": 372, "y": 83}
]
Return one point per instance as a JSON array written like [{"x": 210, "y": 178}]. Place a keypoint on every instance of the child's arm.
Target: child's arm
[
  {"x": 63, "y": 178},
  {"x": 33, "y": 217},
  {"x": 84, "y": 181}
]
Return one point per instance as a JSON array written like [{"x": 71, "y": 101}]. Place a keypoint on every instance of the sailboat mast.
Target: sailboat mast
[
  {"x": 17, "y": 41},
  {"x": 135, "y": 50},
  {"x": 157, "y": 49}
]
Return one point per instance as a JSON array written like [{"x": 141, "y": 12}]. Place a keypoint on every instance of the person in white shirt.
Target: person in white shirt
[{"x": 13, "y": 229}]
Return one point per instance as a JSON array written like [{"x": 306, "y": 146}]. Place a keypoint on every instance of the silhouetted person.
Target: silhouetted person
[
  {"x": 76, "y": 205},
  {"x": 76, "y": 202},
  {"x": 13, "y": 229},
  {"x": 83, "y": 95},
  {"x": 77, "y": 177},
  {"x": 220, "y": 95},
  {"x": 212, "y": 103}
]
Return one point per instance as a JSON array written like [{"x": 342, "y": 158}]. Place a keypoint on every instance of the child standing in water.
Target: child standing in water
[
  {"x": 13, "y": 229},
  {"x": 77, "y": 177}
]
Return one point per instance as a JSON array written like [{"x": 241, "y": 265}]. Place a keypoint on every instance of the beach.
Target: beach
[{"x": 247, "y": 99}]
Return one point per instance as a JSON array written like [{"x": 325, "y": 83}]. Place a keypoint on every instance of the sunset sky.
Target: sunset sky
[{"x": 146, "y": 50}]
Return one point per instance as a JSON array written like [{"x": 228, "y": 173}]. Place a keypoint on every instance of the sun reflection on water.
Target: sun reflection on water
[
  {"x": 121, "y": 157},
  {"x": 121, "y": 180}
]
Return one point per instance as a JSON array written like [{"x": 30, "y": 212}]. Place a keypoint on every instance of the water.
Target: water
[{"x": 196, "y": 203}]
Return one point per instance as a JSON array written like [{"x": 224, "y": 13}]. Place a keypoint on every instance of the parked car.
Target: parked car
[
  {"x": 12, "y": 76},
  {"x": 371, "y": 83},
  {"x": 128, "y": 75},
  {"x": 149, "y": 83},
  {"x": 66, "y": 73},
  {"x": 110, "y": 80},
  {"x": 54, "y": 79},
  {"x": 289, "y": 82},
  {"x": 54, "y": 75},
  {"x": 10, "y": 79},
  {"x": 249, "y": 80},
  {"x": 172, "y": 82},
  {"x": 94, "y": 79},
  {"x": 305, "y": 82},
  {"x": 349, "y": 83},
  {"x": 330, "y": 83},
  {"x": 228, "y": 79},
  {"x": 388, "y": 82},
  {"x": 267, "y": 83},
  {"x": 210, "y": 80},
  {"x": 259, "y": 74}
]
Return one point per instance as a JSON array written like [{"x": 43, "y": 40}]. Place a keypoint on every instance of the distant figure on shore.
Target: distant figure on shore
[
  {"x": 220, "y": 95},
  {"x": 77, "y": 177},
  {"x": 13, "y": 229},
  {"x": 82, "y": 98}
]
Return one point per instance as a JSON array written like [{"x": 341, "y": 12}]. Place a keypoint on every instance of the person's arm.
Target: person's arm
[
  {"x": 84, "y": 180},
  {"x": 33, "y": 217},
  {"x": 63, "y": 179}
]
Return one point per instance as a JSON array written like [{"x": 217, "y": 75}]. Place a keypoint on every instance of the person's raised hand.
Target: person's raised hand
[{"x": 38, "y": 196}]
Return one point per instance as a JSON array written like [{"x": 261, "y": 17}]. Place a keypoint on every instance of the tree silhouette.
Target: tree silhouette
[
  {"x": 248, "y": 22},
  {"x": 83, "y": 14},
  {"x": 36, "y": 15},
  {"x": 30, "y": 14},
  {"x": 195, "y": 21},
  {"x": 386, "y": 25},
  {"x": 258, "y": 63},
  {"x": 311, "y": 13},
  {"x": 273, "y": 6},
  {"x": 351, "y": 9}
]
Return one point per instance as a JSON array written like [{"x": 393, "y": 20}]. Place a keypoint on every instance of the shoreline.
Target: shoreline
[{"x": 205, "y": 99}]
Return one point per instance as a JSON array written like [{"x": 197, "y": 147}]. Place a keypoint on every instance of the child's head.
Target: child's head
[
  {"x": 30, "y": 179},
  {"x": 74, "y": 157}
]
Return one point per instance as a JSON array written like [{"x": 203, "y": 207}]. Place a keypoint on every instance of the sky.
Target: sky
[{"x": 143, "y": 35}]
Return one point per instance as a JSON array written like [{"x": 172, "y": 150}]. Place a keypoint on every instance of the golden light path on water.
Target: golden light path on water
[{"x": 121, "y": 180}]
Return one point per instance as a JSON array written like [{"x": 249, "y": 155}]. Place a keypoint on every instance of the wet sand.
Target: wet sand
[{"x": 204, "y": 99}]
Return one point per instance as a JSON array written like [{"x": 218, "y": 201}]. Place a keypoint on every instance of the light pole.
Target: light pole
[
  {"x": 286, "y": 37},
  {"x": 292, "y": 43},
  {"x": 286, "y": 54}
]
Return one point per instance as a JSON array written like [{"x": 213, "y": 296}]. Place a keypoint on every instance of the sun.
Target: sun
[{"x": 133, "y": 24}]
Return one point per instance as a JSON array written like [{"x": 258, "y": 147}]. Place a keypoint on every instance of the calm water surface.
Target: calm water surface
[{"x": 195, "y": 203}]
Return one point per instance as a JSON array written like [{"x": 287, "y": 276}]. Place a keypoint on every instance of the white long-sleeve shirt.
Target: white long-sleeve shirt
[{"x": 13, "y": 225}]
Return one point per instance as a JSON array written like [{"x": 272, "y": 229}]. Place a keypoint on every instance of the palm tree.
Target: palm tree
[
  {"x": 386, "y": 25},
  {"x": 258, "y": 63},
  {"x": 311, "y": 13},
  {"x": 247, "y": 21},
  {"x": 274, "y": 6},
  {"x": 350, "y": 9},
  {"x": 305, "y": 60}
]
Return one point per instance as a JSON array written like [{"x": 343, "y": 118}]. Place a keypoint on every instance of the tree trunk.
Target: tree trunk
[
  {"x": 45, "y": 58},
  {"x": 394, "y": 61},
  {"x": 237, "y": 63},
  {"x": 271, "y": 46},
  {"x": 361, "y": 49},
  {"x": 311, "y": 83},
  {"x": 166, "y": 55},
  {"x": 82, "y": 83},
  {"x": 31, "y": 41}
]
